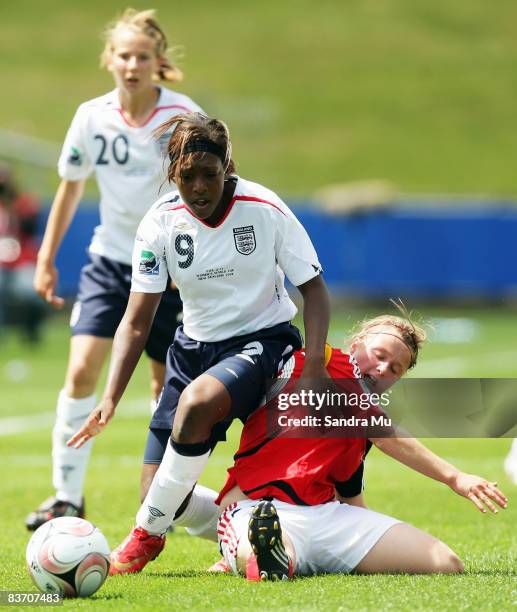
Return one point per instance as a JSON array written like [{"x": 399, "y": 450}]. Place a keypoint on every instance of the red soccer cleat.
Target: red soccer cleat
[{"x": 135, "y": 552}]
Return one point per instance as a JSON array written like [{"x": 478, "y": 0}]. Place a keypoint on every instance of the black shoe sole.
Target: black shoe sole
[
  {"x": 33, "y": 521},
  {"x": 265, "y": 536}
]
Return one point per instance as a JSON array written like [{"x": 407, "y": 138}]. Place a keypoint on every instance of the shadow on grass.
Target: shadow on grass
[
  {"x": 185, "y": 574},
  {"x": 507, "y": 571},
  {"x": 501, "y": 572},
  {"x": 107, "y": 596}
]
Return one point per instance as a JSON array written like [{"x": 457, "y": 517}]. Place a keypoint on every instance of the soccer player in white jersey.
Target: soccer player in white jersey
[
  {"x": 110, "y": 136},
  {"x": 227, "y": 243}
]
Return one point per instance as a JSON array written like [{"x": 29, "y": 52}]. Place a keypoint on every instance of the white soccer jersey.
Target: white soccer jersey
[
  {"x": 127, "y": 161},
  {"x": 231, "y": 276}
]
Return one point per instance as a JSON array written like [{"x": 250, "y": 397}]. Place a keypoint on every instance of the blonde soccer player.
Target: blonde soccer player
[
  {"x": 294, "y": 505},
  {"x": 110, "y": 137}
]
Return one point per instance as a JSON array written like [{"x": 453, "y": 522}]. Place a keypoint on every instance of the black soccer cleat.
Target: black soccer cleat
[
  {"x": 265, "y": 536},
  {"x": 50, "y": 509}
]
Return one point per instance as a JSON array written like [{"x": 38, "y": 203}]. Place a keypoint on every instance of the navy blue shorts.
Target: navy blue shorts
[
  {"x": 104, "y": 288},
  {"x": 244, "y": 364}
]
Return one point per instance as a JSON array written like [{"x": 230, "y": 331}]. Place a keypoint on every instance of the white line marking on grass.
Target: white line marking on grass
[
  {"x": 10, "y": 426},
  {"x": 15, "y": 425},
  {"x": 23, "y": 460},
  {"x": 29, "y": 461}
]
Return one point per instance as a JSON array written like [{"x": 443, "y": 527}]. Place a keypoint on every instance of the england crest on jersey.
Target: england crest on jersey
[{"x": 244, "y": 238}]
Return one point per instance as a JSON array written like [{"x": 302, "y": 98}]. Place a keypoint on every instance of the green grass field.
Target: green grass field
[
  {"x": 487, "y": 543},
  {"x": 421, "y": 94}
]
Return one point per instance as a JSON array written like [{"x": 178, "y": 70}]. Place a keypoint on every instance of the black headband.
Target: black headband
[{"x": 202, "y": 145}]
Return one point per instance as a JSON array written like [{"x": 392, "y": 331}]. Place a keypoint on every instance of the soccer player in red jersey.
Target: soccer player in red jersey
[{"x": 314, "y": 519}]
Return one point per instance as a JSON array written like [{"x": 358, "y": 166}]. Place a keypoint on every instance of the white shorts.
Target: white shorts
[{"x": 328, "y": 538}]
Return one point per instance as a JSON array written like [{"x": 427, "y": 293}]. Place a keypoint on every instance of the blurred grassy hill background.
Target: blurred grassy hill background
[{"x": 422, "y": 94}]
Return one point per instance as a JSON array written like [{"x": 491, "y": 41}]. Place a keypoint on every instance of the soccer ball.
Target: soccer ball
[{"x": 69, "y": 556}]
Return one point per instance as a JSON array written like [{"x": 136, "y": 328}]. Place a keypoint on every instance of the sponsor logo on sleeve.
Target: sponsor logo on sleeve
[
  {"x": 75, "y": 157},
  {"x": 244, "y": 238},
  {"x": 149, "y": 265}
]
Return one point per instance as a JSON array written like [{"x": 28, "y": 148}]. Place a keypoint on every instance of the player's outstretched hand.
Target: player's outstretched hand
[
  {"x": 482, "y": 493},
  {"x": 45, "y": 283},
  {"x": 94, "y": 424}
]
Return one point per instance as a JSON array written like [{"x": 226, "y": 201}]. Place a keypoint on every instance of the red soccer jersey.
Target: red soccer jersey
[{"x": 302, "y": 471}]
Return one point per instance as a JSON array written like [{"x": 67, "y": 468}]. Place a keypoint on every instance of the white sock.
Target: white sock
[
  {"x": 69, "y": 464},
  {"x": 171, "y": 484},
  {"x": 201, "y": 514}
]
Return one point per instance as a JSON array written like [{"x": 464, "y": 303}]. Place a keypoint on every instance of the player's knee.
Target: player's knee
[
  {"x": 195, "y": 417},
  {"x": 446, "y": 561},
  {"x": 453, "y": 564},
  {"x": 81, "y": 379}
]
